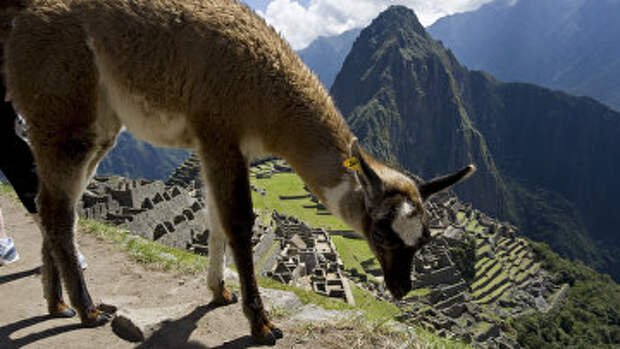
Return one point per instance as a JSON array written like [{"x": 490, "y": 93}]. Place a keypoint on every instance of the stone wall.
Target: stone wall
[
  {"x": 167, "y": 214},
  {"x": 308, "y": 259}
]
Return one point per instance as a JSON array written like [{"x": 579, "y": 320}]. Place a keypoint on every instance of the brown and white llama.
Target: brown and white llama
[{"x": 207, "y": 75}]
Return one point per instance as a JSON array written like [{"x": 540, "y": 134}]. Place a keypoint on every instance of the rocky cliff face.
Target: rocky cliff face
[
  {"x": 544, "y": 158},
  {"x": 398, "y": 92}
]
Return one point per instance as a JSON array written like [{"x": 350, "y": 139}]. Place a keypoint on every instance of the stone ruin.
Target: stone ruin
[
  {"x": 166, "y": 214},
  {"x": 307, "y": 258}
]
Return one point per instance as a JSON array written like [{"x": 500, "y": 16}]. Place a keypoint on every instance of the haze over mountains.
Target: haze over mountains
[
  {"x": 546, "y": 159},
  {"x": 326, "y": 54},
  {"x": 571, "y": 45}
]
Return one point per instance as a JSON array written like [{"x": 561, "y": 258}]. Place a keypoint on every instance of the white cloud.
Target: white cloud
[{"x": 300, "y": 25}]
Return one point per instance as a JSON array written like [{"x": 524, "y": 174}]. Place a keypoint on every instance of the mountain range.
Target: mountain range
[
  {"x": 326, "y": 54},
  {"x": 546, "y": 160},
  {"x": 562, "y": 44},
  {"x": 137, "y": 159}
]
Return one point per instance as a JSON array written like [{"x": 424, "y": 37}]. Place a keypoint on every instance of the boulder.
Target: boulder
[{"x": 136, "y": 325}]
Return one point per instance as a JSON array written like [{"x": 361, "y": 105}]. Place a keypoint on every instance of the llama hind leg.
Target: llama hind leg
[
  {"x": 227, "y": 177},
  {"x": 215, "y": 276}
]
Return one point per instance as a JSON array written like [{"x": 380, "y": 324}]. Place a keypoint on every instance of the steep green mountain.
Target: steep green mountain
[
  {"x": 589, "y": 315},
  {"x": 136, "y": 159},
  {"x": 565, "y": 44},
  {"x": 325, "y": 55},
  {"x": 545, "y": 159}
]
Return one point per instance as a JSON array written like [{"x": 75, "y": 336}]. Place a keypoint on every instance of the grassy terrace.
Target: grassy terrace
[
  {"x": 289, "y": 184},
  {"x": 503, "y": 241},
  {"x": 471, "y": 225},
  {"x": 483, "y": 249},
  {"x": 519, "y": 256},
  {"x": 496, "y": 294},
  {"x": 483, "y": 262},
  {"x": 418, "y": 292},
  {"x": 483, "y": 278},
  {"x": 519, "y": 249},
  {"x": 357, "y": 255},
  {"x": 489, "y": 283},
  {"x": 512, "y": 246},
  {"x": 460, "y": 216},
  {"x": 484, "y": 269},
  {"x": 502, "y": 277}
]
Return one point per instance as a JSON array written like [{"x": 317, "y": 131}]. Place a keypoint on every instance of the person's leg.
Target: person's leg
[
  {"x": 8, "y": 253},
  {"x": 2, "y": 231}
]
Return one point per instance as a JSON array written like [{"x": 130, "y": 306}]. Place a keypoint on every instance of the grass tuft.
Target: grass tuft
[{"x": 149, "y": 253}]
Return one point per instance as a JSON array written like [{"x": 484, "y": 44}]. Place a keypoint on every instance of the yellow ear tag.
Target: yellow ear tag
[{"x": 353, "y": 163}]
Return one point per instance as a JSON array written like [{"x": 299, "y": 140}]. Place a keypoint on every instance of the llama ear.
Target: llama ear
[
  {"x": 431, "y": 187},
  {"x": 368, "y": 178}
]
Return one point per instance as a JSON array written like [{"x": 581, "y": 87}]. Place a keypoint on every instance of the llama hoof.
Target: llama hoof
[
  {"x": 97, "y": 318},
  {"x": 225, "y": 298},
  {"x": 61, "y": 310},
  {"x": 265, "y": 336},
  {"x": 277, "y": 332},
  {"x": 65, "y": 313}
]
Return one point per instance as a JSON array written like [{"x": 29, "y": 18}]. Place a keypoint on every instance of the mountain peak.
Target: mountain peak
[{"x": 400, "y": 17}]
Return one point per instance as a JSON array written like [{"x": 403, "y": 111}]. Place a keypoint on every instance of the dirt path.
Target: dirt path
[{"x": 23, "y": 320}]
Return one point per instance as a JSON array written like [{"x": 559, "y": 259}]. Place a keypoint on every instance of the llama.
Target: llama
[{"x": 205, "y": 75}]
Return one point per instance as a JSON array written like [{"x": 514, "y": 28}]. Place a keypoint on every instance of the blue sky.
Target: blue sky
[{"x": 301, "y": 21}]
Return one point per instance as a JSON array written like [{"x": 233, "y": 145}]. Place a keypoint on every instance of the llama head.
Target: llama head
[{"x": 394, "y": 222}]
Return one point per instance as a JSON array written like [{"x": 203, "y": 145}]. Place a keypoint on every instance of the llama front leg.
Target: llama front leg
[
  {"x": 52, "y": 286},
  {"x": 58, "y": 219},
  {"x": 229, "y": 188}
]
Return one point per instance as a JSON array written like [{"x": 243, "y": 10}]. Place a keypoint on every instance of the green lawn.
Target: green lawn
[
  {"x": 290, "y": 184},
  {"x": 354, "y": 252},
  {"x": 376, "y": 310}
]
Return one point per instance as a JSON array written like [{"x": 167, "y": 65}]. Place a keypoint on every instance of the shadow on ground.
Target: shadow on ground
[
  {"x": 19, "y": 275},
  {"x": 5, "y": 332},
  {"x": 175, "y": 334}
]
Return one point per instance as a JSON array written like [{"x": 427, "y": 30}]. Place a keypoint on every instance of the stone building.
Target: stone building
[{"x": 167, "y": 214}]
